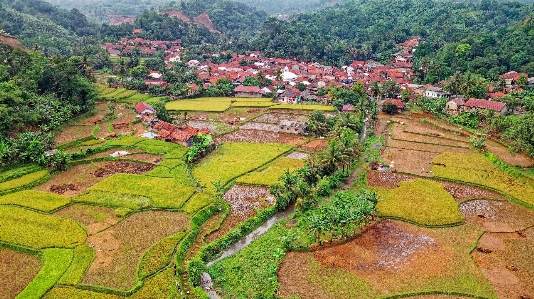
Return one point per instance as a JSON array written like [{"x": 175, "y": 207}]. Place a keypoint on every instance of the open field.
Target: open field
[
  {"x": 497, "y": 216},
  {"x": 255, "y": 136},
  {"x": 204, "y": 104},
  {"x": 119, "y": 248},
  {"x": 18, "y": 270},
  {"x": 423, "y": 202},
  {"x": 73, "y": 132},
  {"x": 304, "y": 107},
  {"x": 38, "y": 200},
  {"x": 231, "y": 160},
  {"x": 36, "y": 230},
  {"x": 56, "y": 262},
  {"x": 269, "y": 175},
  {"x": 93, "y": 217},
  {"x": 475, "y": 168},
  {"x": 390, "y": 258},
  {"x": 77, "y": 179},
  {"x": 23, "y": 181},
  {"x": 506, "y": 260},
  {"x": 164, "y": 192}
]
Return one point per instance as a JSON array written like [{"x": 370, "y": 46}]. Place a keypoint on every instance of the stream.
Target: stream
[{"x": 206, "y": 281}]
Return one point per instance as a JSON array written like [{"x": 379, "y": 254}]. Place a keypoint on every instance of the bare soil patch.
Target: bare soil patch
[
  {"x": 406, "y": 160},
  {"x": 101, "y": 108},
  {"x": 294, "y": 280},
  {"x": 122, "y": 167},
  {"x": 400, "y": 134},
  {"x": 504, "y": 154},
  {"x": 275, "y": 118},
  {"x": 463, "y": 192},
  {"x": 93, "y": 217},
  {"x": 77, "y": 179},
  {"x": 119, "y": 248},
  {"x": 417, "y": 146},
  {"x": 244, "y": 200},
  {"x": 390, "y": 258},
  {"x": 386, "y": 179},
  {"x": 260, "y": 126},
  {"x": 497, "y": 216},
  {"x": 71, "y": 133},
  {"x": 232, "y": 116},
  {"x": 74, "y": 180},
  {"x": 243, "y": 135},
  {"x": 509, "y": 267},
  {"x": 18, "y": 270},
  {"x": 111, "y": 151},
  {"x": 315, "y": 145}
]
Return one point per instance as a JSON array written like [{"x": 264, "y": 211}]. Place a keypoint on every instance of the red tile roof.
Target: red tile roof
[
  {"x": 485, "y": 104},
  {"x": 142, "y": 106},
  {"x": 399, "y": 104},
  {"x": 247, "y": 89}
]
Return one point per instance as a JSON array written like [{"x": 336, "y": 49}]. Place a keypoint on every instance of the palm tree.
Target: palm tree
[
  {"x": 278, "y": 74},
  {"x": 375, "y": 90}
]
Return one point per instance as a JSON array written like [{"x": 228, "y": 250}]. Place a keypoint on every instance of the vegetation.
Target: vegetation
[
  {"x": 38, "y": 200},
  {"x": 420, "y": 201},
  {"x": 252, "y": 272},
  {"x": 114, "y": 200},
  {"x": 227, "y": 161},
  {"x": 341, "y": 217},
  {"x": 164, "y": 192},
  {"x": 197, "y": 202},
  {"x": 80, "y": 262},
  {"x": 269, "y": 175},
  {"x": 23, "y": 181},
  {"x": 55, "y": 262},
  {"x": 158, "y": 256},
  {"x": 477, "y": 169},
  {"x": 204, "y": 104},
  {"x": 36, "y": 230}
]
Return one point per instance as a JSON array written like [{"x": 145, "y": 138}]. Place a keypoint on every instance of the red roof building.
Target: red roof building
[{"x": 486, "y": 104}]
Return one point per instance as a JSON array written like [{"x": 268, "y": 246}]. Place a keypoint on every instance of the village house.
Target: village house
[
  {"x": 436, "y": 92},
  {"x": 511, "y": 77},
  {"x": 172, "y": 133},
  {"x": 145, "y": 112},
  {"x": 455, "y": 105},
  {"x": 477, "y": 104},
  {"x": 398, "y": 103},
  {"x": 347, "y": 108},
  {"x": 289, "y": 96},
  {"x": 293, "y": 127},
  {"x": 247, "y": 91}
]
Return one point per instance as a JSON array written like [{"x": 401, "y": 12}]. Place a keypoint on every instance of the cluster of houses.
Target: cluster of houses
[
  {"x": 166, "y": 131},
  {"x": 287, "y": 74},
  {"x": 148, "y": 48}
]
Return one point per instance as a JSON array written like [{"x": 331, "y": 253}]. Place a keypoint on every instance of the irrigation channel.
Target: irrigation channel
[{"x": 206, "y": 281}]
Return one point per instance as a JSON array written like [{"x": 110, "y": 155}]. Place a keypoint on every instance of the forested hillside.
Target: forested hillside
[
  {"x": 230, "y": 17},
  {"x": 37, "y": 94},
  {"x": 371, "y": 29},
  {"x": 39, "y": 24}
]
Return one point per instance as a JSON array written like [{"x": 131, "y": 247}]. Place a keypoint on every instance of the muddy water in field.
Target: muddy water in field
[{"x": 497, "y": 216}]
